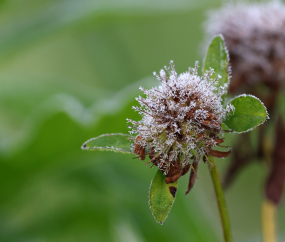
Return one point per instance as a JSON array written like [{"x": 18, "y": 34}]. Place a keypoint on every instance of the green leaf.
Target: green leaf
[
  {"x": 217, "y": 58},
  {"x": 110, "y": 142},
  {"x": 249, "y": 112},
  {"x": 161, "y": 196}
]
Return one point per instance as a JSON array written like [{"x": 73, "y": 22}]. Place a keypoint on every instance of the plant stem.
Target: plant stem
[
  {"x": 220, "y": 199},
  {"x": 268, "y": 221}
]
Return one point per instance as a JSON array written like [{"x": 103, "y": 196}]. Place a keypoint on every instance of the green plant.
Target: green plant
[{"x": 184, "y": 119}]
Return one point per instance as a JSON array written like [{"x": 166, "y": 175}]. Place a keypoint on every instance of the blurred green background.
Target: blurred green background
[{"x": 69, "y": 71}]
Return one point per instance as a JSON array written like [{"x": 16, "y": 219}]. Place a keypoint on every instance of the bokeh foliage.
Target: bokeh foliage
[{"x": 69, "y": 70}]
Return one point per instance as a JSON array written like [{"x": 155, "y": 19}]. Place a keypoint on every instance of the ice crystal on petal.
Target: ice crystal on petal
[{"x": 181, "y": 120}]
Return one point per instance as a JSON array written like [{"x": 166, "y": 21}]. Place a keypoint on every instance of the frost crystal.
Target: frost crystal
[{"x": 181, "y": 122}]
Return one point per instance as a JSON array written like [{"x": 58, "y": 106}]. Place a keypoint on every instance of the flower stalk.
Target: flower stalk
[
  {"x": 268, "y": 221},
  {"x": 220, "y": 199}
]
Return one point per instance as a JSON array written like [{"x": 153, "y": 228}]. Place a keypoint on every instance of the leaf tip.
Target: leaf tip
[{"x": 84, "y": 146}]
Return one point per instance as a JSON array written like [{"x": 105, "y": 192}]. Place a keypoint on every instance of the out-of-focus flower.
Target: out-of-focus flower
[
  {"x": 181, "y": 122},
  {"x": 255, "y": 37}
]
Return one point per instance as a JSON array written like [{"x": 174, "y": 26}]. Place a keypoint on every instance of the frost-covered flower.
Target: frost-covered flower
[
  {"x": 255, "y": 36},
  {"x": 181, "y": 122}
]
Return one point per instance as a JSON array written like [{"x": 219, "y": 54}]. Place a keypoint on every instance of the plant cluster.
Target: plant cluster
[{"x": 183, "y": 120}]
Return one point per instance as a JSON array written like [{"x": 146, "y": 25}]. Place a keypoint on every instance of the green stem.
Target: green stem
[{"x": 221, "y": 200}]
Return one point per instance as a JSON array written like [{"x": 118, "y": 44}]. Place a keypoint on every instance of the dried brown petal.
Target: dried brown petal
[
  {"x": 142, "y": 153},
  {"x": 220, "y": 154},
  {"x": 174, "y": 172},
  {"x": 185, "y": 169},
  {"x": 193, "y": 176}
]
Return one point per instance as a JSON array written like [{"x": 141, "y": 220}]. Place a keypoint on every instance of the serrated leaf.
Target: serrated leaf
[
  {"x": 249, "y": 112},
  {"x": 161, "y": 196},
  {"x": 217, "y": 58},
  {"x": 110, "y": 142}
]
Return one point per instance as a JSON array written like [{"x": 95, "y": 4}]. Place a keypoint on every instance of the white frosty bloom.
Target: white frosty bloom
[{"x": 181, "y": 121}]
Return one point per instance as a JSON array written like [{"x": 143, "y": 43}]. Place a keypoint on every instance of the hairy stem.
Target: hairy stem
[
  {"x": 221, "y": 200},
  {"x": 268, "y": 221}
]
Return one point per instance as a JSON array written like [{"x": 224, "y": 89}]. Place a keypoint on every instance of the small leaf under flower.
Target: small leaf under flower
[{"x": 161, "y": 196}]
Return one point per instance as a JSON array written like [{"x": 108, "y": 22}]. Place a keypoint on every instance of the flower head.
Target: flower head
[
  {"x": 181, "y": 122},
  {"x": 255, "y": 37}
]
